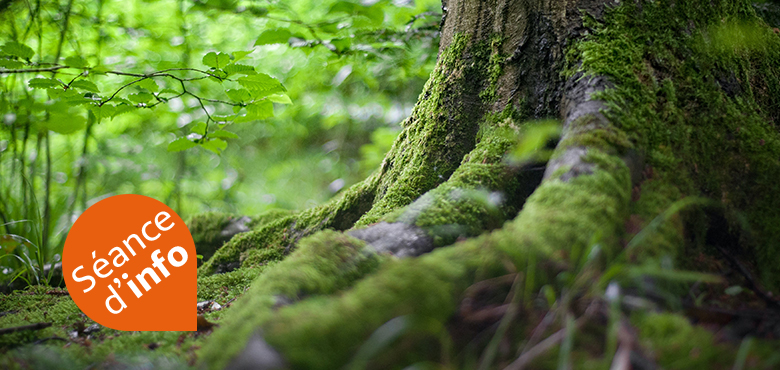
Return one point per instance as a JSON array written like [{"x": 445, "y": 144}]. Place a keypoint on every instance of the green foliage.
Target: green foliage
[{"x": 181, "y": 108}]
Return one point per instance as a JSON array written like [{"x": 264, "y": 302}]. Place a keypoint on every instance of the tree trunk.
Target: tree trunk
[{"x": 668, "y": 155}]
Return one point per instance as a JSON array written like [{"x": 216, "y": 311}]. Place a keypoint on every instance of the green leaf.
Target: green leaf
[
  {"x": 343, "y": 7},
  {"x": 238, "y": 55},
  {"x": 16, "y": 49},
  {"x": 374, "y": 14},
  {"x": 85, "y": 85},
  {"x": 199, "y": 128},
  {"x": 11, "y": 64},
  {"x": 274, "y": 36},
  {"x": 239, "y": 95},
  {"x": 222, "y": 118},
  {"x": 62, "y": 122},
  {"x": 104, "y": 111},
  {"x": 232, "y": 69},
  {"x": 258, "y": 111},
  {"x": 148, "y": 84},
  {"x": 140, "y": 97},
  {"x": 76, "y": 61},
  {"x": 99, "y": 70},
  {"x": 215, "y": 145},
  {"x": 342, "y": 43},
  {"x": 280, "y": 98},
  {"x": 122, "y": 109},
  {"x": 216, "y": 60},
  {"x": 734, "y": 290},
  {"x": 180, "y": 144},
  {"x": 261, "y": 85},
  {"x": 44, "y": 83},
  {"x": 69, "y": 96},
  {"x": 223, "y": 134},
  {"x": 168, "y": 91}
]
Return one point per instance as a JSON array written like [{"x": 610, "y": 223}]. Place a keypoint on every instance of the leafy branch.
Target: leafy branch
[{"x": 254, "y": 99}]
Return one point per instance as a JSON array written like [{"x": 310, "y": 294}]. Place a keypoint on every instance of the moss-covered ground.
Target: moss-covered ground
[{"x": 600, "y": 264}]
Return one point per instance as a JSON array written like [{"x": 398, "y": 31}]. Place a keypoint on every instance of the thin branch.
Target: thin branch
[
  {"x": 548, "y": 343},
  {"x": 38, "y": 326},
  {"x": 31, "y": 70}
]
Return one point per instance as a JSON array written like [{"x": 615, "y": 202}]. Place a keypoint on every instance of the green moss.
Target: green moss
[
  {"x": 582, "y": 133},
  {"x": 425, "y": 290},
  {"x": 676, "y": 344},
  {"x": 698, "y": 88},
  {"x": 655, "y": 196},
  {"x": 495, "y": 69},
  {"x": 481, "y": 194},
  {"x": 47, "y": 305},
  {"x": 38, "y": 304},
  {"x": 324, "y": 263},
  {"x": 559, "y": 217},
  {"x": 228, "y": 286},
  {"x": 586, "y": 209},
  {"x": 206, "y": 229},
  {"x": 271, "y": 241},
  {"x": 442, "y": 126}
]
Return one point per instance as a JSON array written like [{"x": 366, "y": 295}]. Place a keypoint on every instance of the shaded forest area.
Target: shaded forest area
[{"x": 407, "y": 184}]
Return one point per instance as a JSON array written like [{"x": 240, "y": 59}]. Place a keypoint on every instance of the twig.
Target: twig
[
  {"x": 38, "y": 326},
  {"x": 749, "y": 278},
  {"x": 31, "y": 70},
  {"x": 514, "y": 305},
  {"x": 548, "y": 343},
  {"x": 44, "y": 340}
]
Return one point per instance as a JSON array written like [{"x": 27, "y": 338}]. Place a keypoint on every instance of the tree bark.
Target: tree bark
[{"x": 657, "y": 101}]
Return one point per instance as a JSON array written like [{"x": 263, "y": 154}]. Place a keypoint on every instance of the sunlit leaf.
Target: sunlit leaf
[
  {"x": 70, "y": 96},
  {"x": 76, "y": 61},
  {"x": 122, "y": 109},
  {"x": 11, "y": 64},
  {"x": 223, "y": 134},
  {"x": 280, "y": 98},
  {"x": 274, "y": 36},
  {"x": 342, "y": 43},
  {"x": 232, "y": 69},
  {"x": 239, "y": 95},
  {"x": 199, "y": 128},
  {"x": 261, "y": 85},
  {"x": 44, "y": 83},
  {"x": 260, "y": 110},
  {"x": 148, "y": 84},
  {"x": 257, "y": 111},
  {"x": 62, "y": 122},
  {"x": 215, "y": 145},
  {"x": 180, "y": 144},
  {"x": 104, "y": 111},
  {"x": 533, "y": 141},
  {"x": 85, "y": 85},
  {"x": 373, "y": 14},
  {"x": 216, "y": 60},
  {"x": 238, "y": 55},
  {"x": 140, "y": 97},
  {"x": 16, "y": 49}
]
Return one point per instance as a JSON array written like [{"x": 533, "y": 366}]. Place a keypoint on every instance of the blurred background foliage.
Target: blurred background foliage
[{"x": 352, "y": 71}]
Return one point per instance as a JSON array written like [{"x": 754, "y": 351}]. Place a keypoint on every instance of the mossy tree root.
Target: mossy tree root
[
  {"x": 565, "y": 215},
  {"x": 272, "y": 240}
]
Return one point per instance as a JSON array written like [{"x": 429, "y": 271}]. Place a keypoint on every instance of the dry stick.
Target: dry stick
[
  {"x": 38, "y": 326},
  {"x": 767, "y": 297},
  {"x": 490, "y": 353},
  {"x": 548, "y": 319},
  {"x": 547, "y": 344}
]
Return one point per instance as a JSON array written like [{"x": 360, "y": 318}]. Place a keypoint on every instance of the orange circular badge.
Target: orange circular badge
[{"x": 129, "y": 264}]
